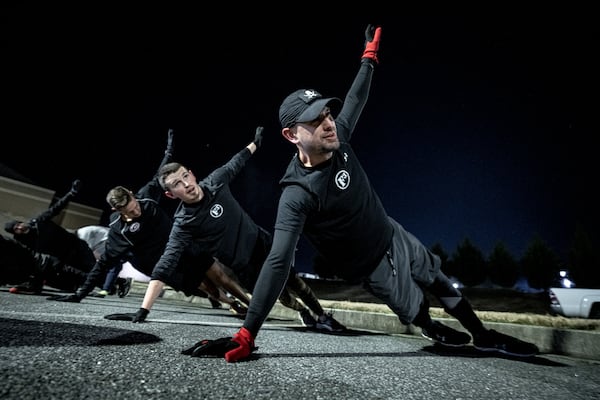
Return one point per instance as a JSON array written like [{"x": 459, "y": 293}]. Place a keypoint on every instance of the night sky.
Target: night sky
[{"x": 476, "y": 127}]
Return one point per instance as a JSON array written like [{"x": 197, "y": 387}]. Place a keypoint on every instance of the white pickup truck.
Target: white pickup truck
[{"x": 575, "y": 302}]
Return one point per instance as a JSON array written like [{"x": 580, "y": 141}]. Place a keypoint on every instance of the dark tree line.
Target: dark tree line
[{"x": 539, "y": 264}]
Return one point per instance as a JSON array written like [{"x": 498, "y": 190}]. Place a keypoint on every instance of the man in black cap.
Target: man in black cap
[{"x": 327, "y": 197}]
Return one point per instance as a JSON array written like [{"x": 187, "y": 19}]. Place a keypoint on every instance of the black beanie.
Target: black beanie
[{"x": 10, "y": 226}]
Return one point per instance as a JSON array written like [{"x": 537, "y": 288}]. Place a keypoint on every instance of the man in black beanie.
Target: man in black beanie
[{"x": 42, "y": 235}]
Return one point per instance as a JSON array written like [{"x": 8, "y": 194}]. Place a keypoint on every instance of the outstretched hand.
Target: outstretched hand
[
  {"x": 139, "y": 316},
  {"x": 75, "y": 186},
  {"x": 372, "y": 38},
  {"x": 70, "y": 298},
  {"x": 233, "y": 349},
  {"x": 211, "y": 348},
  {"x": 169, "y": 142},
  {"x": 258, "y": 136}
]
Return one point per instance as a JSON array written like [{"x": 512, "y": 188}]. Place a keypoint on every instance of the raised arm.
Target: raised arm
[
  {"x": 152, "y": 189},
  {"x": 168, "y": 151},
  {"x": 357, "y": 95},
  {"x": 60, "y": 204},
  {"x": 226, "y": 173},
  {"x": 372, "y": 38},
  {"x": 258, "y": 137}
]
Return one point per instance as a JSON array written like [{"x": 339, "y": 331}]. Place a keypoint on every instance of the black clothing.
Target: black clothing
[
  {"x": 142, "y": 242},
  {"x": 19, "y": 264},
  {"x": 324, "y": 201},
  {"x": 217, "y": 224},
  {"x": 47, "y": 237},
  {"x": 336, "y": 208}
]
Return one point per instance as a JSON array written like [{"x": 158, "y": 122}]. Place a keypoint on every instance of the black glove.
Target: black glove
[
  {"x": 139, "y": 316},
  {"x": 169, "y": 149},
  {"x": 71, "y": 298},
  {"x": 258, "y": 136},
  {"x": 372, "y": 37},
  {"x": 75, "y": 186},
  {"x": 211, "y": 348}
]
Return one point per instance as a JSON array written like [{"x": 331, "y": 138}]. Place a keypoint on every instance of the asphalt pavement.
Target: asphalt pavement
[
  {"x": 57, "y": 350},
  {"x": 378, "y": 317}
]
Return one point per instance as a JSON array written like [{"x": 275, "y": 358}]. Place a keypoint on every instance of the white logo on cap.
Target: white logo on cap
[
  {"x": 342, "y": 179},
  {"x": 216, "y": 211},
  {"x": 309, "y": 94}
]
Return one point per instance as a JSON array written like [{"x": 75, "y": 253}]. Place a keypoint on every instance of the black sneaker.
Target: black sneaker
[
  {"x": 238, "y": 308},
  {"x": 34, "y": 286},
  {"x": 445, "y": 335},
  {"x": 307, "y": 319},
  {"x": 492, "y": 340},
  {"x": 214, "y": 303},
  {"x": 326, "y": 322},
  {"x": 124, "y": 286}
]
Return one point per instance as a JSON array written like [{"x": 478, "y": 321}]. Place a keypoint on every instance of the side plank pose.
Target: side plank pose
[
  {"x": 44, "y": 236},
  {"x": 139, "y": 231},
  {"x": 326, "y": 195},
  {"x": 31, "y": 270},
  {"x": 210, "y": 216}
]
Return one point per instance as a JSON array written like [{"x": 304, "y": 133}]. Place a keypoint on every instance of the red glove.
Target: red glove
[
  {"x": 246, "y": 346},
  {"x": 372, "y": 36}
]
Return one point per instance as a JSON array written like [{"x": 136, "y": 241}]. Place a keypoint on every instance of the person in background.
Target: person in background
[
  {"x": 327, "y": 196},
  {"x": 210, "y": 216},
  {"x": 95, "y": 236},
  {"x": 139, "y": 228},
  {"x": 42, "y": 235},
  {"x": 18, "y": 264}
]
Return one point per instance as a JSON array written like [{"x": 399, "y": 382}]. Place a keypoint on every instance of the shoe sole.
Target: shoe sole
[
  {"x": 444, "y": 344},
  {"x": 327, "y": 328},
  {"x": 308, "y": 325},
  {"x": 494, "y": 350}
]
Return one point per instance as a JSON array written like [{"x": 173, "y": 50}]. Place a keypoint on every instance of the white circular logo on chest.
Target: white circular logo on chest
[
  {"x": 342, "y": 179},
  {"x": 134, "y": 227},
  {"x": 216, "y": 211}
]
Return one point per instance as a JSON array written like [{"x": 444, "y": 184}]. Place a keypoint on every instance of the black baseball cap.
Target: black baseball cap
[{"x": 304, "y": 105}]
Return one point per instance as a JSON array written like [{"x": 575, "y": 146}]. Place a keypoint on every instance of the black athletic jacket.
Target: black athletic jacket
[
  {"x": 217, "y": 224},
  {"x": 144, "y": 238},
  {"x": 46, "y": 236},
  {"x": 335, "y": 207}
]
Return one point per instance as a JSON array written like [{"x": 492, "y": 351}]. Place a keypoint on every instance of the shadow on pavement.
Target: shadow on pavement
[
  {"x": 347, "y": 332},
  {"x": 472, "y": 352},
  {"x": 16, "y": 332}
]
